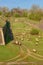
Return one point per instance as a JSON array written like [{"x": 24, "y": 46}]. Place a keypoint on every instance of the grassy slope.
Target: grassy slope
[{"x": 18, "y": 27}]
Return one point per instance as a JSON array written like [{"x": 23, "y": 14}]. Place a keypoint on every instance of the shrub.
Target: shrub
[
  {"x": 35, "y": 16},
  {"x": 8, "y": 14},
  {"x": 34, "y": 31},
  {"x": 24, "y": 14},
  {"x": 17, "y": 15},
  {"x": 0, "y": 13}
]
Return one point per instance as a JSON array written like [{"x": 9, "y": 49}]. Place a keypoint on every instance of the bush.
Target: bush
[
  {"x": 0, "y": 13},
  {"x": 35, "y": 16},
  {"x": 17, "y": 15},
  {"x": 34, "y": 31},
  {"x": 24, "y": 14},
  {"x": 8, "y": 14}
]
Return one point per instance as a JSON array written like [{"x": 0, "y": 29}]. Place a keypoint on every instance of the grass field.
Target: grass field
[{"x": 21, "y": 30}]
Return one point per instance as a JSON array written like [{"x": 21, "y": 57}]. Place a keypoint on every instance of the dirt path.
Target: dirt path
[
  {"x": 13, "y": 58},
  {"x": 20, "y": 63},
  {"x": 20, "y": 59},
  {"x": 33, "y": 55},
  {"x": 31, "y": 24},
  {"x": 39, "y": 26},
  {"x": 29, "y": 53},
  {"x": 38, "y": 55}
]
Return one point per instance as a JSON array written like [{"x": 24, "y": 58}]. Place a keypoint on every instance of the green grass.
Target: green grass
[
  {"x": 12, "y": 50},
  {"x": 8, "y": 52},
  {"x": 30, "y": 44}
]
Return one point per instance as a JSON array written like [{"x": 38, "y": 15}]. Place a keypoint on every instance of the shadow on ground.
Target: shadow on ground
[{"x": 8, "y": 35}]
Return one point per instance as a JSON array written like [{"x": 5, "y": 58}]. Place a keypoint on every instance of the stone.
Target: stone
[
  {"x": 34, "y": 50},
  {"x": 37, "y": 40},
  {"x": 28, "y": 39},
  {"x": 23, "y": 33},
  {"x": 39, "y": 36},
  {"x": 16, "y": 42},
  {"x": 36, "y": 43},
  {"x": 22, "y": 39},
  {"x": 19, "y": 43},
  {"x": 16, "y": 20}
]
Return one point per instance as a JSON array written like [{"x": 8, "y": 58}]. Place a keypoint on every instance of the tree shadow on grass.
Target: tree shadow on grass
[{"x": 8, "y": 35}]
